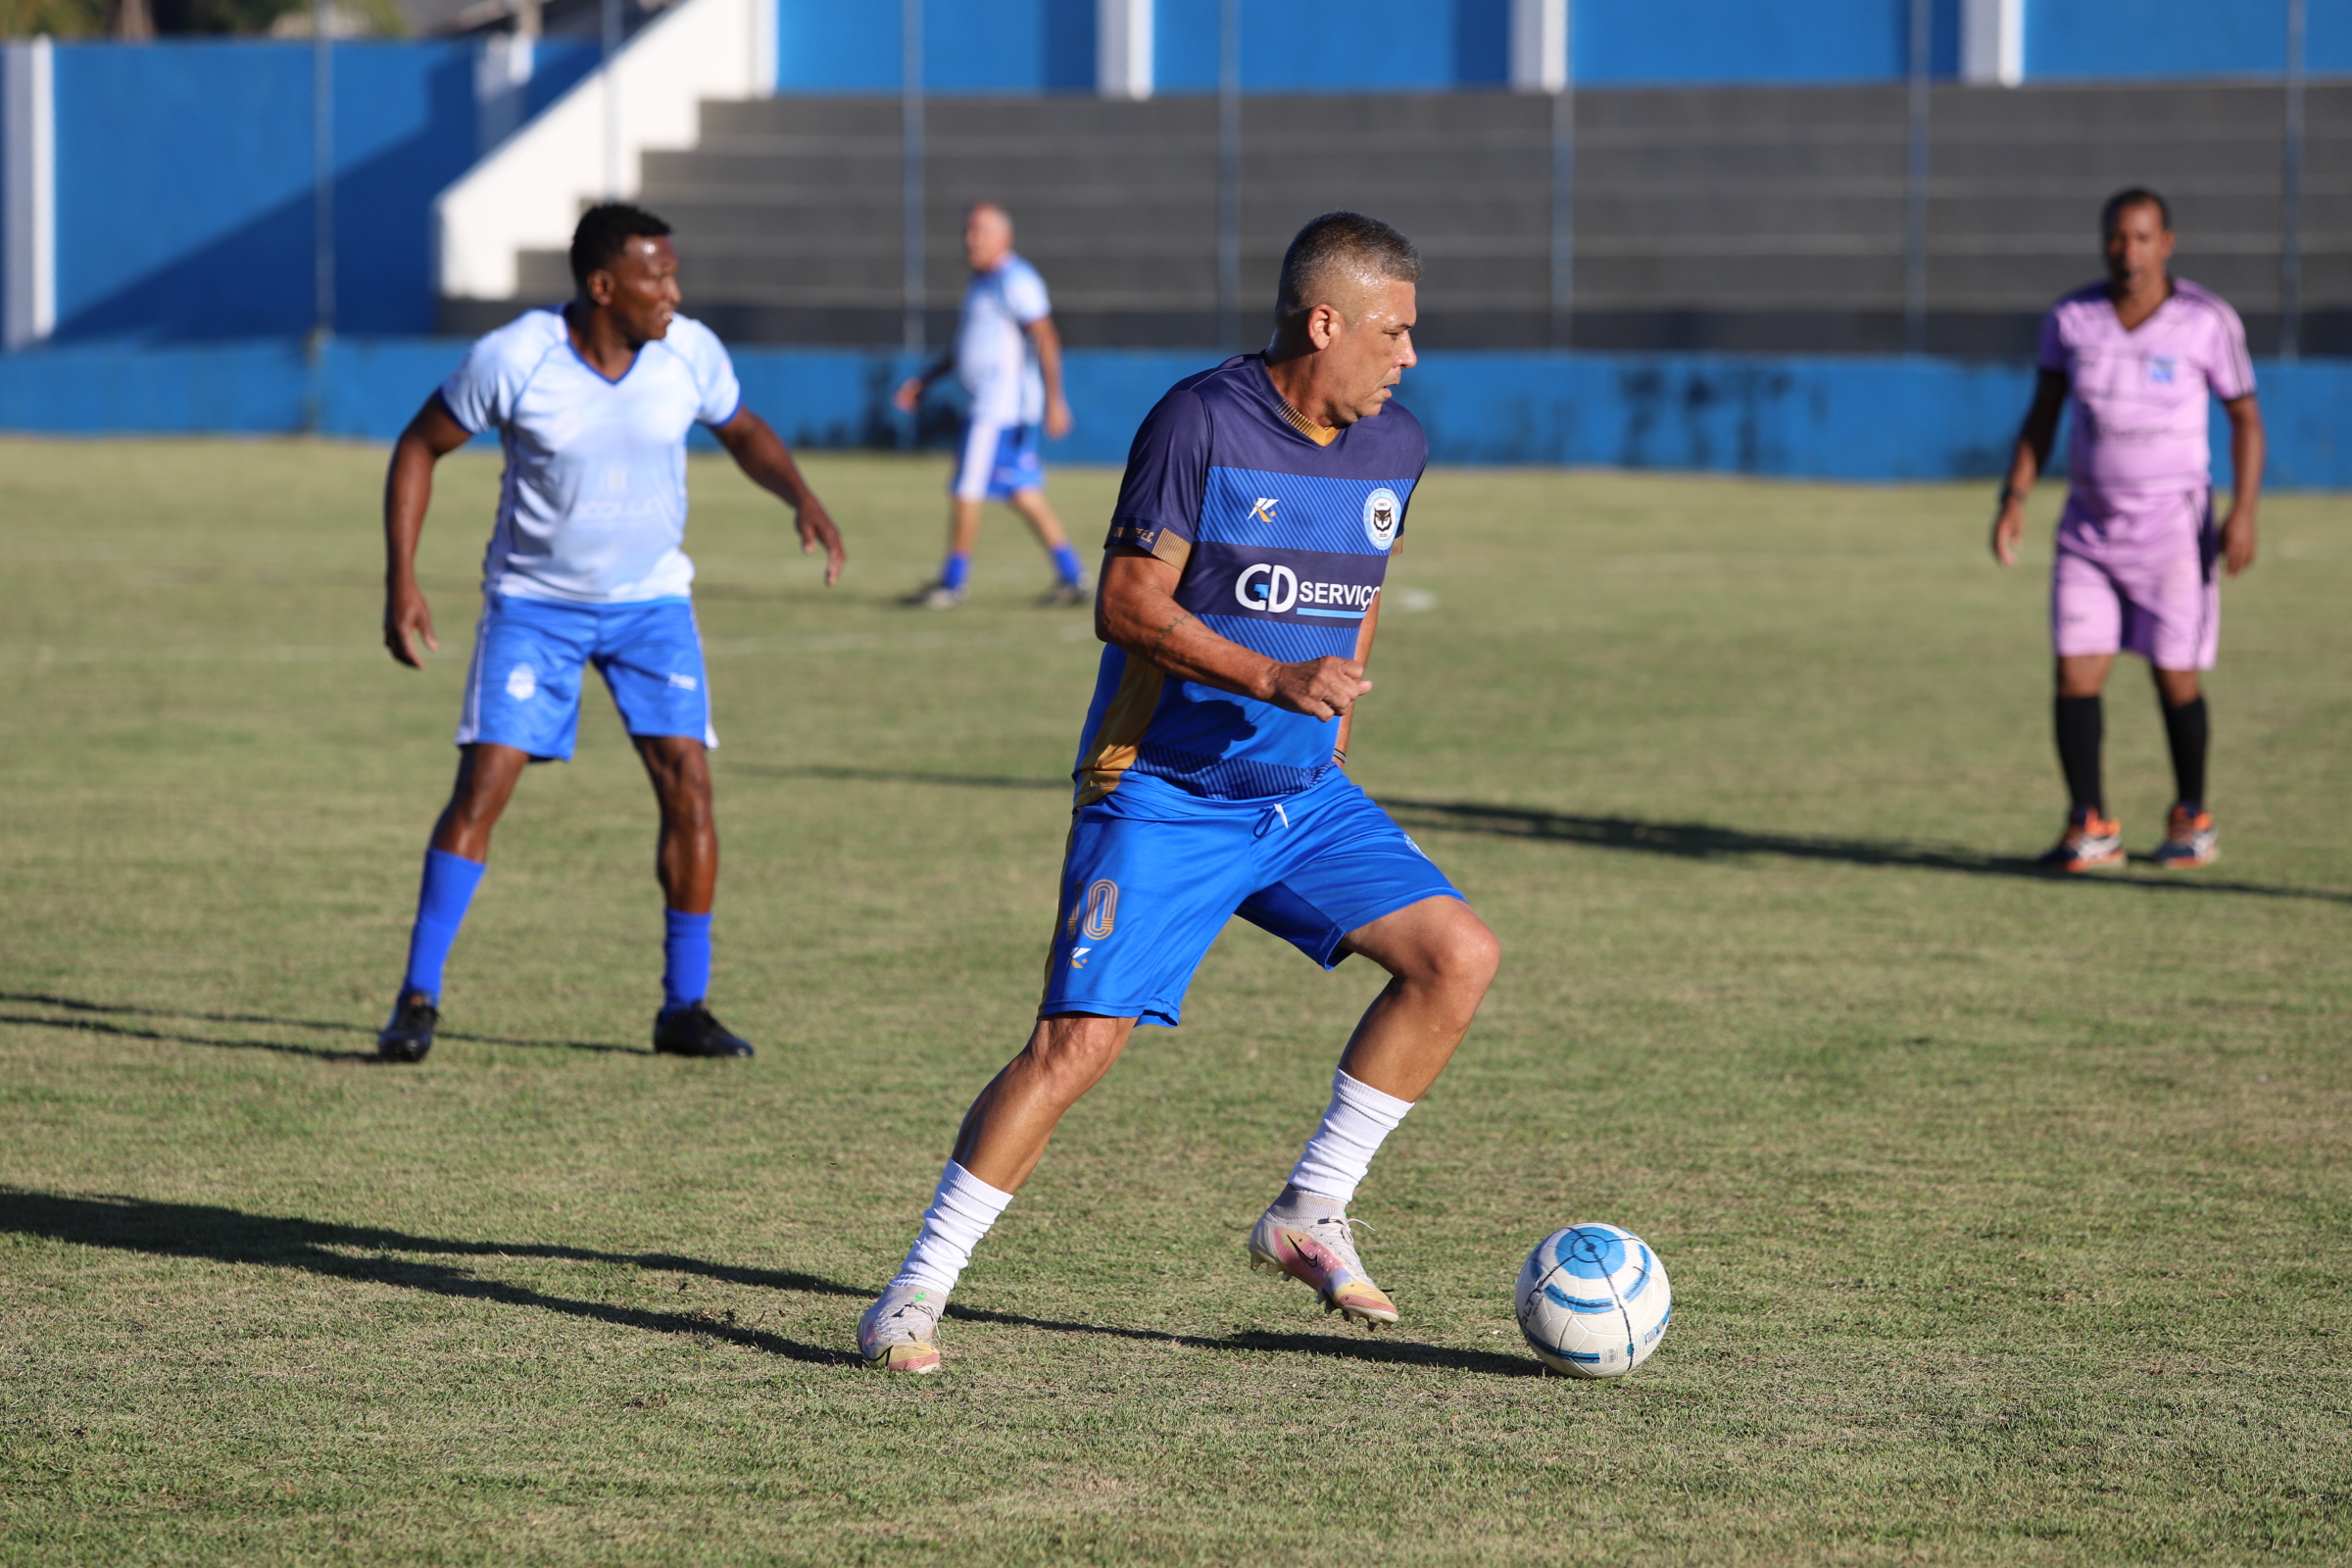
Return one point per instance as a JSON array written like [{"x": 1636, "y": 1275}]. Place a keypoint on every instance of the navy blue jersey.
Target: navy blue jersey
[{"x": 1290, "y": 526}]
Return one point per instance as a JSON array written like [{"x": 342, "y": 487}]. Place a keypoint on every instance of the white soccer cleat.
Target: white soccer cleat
[
  {"x": 899, "y": 1332},
  {"x": 1318, "y": 1250}
]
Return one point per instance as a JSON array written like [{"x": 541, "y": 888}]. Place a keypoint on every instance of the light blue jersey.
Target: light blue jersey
[
  {"x": 993, "y": 358},
  {"x": 592, "y": 509}
]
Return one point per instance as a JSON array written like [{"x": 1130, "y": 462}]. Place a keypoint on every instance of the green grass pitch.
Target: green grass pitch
[{"x": 2008, "y": 1219}]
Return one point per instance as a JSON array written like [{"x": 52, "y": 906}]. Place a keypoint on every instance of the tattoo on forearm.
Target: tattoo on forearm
[{"x": 1168, "y": 631}]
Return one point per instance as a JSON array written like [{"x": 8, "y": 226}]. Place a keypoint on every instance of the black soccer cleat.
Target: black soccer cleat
[
  {"x": 410, "y": 1034},
  {"x": 691, "y": 1031}
]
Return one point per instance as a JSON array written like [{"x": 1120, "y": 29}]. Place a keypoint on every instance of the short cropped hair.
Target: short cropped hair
[
  {"x": 604, "y": 231},
  {"x": 1363, "y": 246},
  {"x": 2136, "y": 196}
]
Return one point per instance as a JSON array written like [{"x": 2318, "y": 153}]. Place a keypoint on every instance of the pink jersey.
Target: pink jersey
[{"x": 2139, "y": 397}]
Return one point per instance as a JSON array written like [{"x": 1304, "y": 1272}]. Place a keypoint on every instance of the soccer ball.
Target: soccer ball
[{"x": 1594, "y": 1300}]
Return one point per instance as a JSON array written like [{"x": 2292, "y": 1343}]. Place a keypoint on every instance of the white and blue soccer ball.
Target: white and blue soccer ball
[{"x": 1594, "y": 1300}]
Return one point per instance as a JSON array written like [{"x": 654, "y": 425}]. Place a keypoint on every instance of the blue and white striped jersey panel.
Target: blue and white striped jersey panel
[{"x": 1289, "y": 535}]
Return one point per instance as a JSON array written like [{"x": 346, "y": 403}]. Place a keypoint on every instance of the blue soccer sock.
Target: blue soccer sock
[
  {"x": 1066, "y": 564},
  {"x": 441, "y": 904},
  {"x": 685, "y": 958},
  {"x": 956, "y": 572}
]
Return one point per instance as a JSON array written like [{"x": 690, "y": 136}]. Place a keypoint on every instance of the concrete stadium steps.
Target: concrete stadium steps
[{"x": 1735, "y": 218}]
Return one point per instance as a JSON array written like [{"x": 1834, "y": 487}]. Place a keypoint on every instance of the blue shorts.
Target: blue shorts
[
  {"x": 1153, "y": 874},
  {"x": 523, "y": 687},
  {"x": 997, "y": 461}
]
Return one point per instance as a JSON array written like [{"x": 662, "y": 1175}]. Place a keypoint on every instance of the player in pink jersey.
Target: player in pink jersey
[{"x": 2136, "y": 359}]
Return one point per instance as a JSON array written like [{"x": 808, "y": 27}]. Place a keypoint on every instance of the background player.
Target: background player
[
  {"x": 1240, "y": 596},
  {"x": 2133, "y": 357},
  {"x": 592, "y": 404},
  {"x": 1009, "y": 357}
]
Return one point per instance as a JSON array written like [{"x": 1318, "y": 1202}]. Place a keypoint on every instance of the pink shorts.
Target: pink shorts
[{"x": 2119, "y": 585}]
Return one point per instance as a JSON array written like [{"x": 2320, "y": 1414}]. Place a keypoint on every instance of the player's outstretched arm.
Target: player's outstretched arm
[
  {"x": 909, "y": 395},
  {"x": 2247, "y": 449},
  {"x": 1047, "y": 338},
  {"x": 760, "y": 453},
  {"x": 408, "y": 491},
  {"x": 1136, "y": 610},
  {"x": 2033, "y": 455}
]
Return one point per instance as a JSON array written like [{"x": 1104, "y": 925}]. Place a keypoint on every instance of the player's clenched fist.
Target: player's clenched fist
[{"x": 1320, "y": 688}]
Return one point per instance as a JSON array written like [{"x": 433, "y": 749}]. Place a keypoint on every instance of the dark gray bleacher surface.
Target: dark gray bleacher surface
[{"x": 1762, "y": 220}]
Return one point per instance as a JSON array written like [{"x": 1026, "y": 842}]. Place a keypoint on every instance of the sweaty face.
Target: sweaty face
[
  {"x": 2138, "y": 245},
  {"x": 639, "y": 288},
  {"x": 1374, "y": 349}
]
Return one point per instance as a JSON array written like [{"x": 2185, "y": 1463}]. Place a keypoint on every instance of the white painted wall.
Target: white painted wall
[
  {"x": 1539, "y": 46},
  {"x": 1123, "y": 60},
  {"x": 590, "y": 143},
  {"x": 1992, "y": 42},
  {"x": 29, "y": 186}
]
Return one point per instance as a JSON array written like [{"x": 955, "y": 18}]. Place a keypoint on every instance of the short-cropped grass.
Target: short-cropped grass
[{"x": 2008, "y": 1218}]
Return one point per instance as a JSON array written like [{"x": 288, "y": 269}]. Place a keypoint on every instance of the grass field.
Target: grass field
[{"x": 2009, "y": 1219}]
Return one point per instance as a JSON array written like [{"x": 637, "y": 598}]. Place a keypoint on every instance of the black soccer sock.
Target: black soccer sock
[
  {"x": 2080, "y": 728},
  {"x": 2185, "y": 729}
]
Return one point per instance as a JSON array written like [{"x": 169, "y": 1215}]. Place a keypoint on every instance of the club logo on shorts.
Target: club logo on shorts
[
  {"x": 521, "y": 685},
  {"x": 1102, "y": 909},
  {"x": 1381, "y": 510}
]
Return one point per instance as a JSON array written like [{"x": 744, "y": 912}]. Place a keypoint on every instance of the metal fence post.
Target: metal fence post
[
  {"x": 1915, "y": 185},
  {"x": 910, "y": 170},
  {"x": 2290, "y": 180},
  {"x": 1229, "y": 173}
]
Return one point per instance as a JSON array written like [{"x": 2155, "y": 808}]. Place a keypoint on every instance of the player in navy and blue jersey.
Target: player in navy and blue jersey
[
  {"x": 1240, "y": 593},
  {"x": 592, "y": 404}
]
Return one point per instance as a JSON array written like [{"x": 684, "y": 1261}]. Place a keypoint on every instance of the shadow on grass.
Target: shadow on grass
[
  {"x": 94, "y": 1017},
  {"x": 228, "y": 1236},
  {"x": 375, "y": 1256},
  {"x": 1367, "y": 1347},
  {"x": 879, "y": 775},
  {"x": 1689, "y": 841},
  {"x": 1695, "y": 841}
]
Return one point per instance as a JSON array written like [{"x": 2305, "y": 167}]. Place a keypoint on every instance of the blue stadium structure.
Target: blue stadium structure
[{"x": 1744, "y": 178}]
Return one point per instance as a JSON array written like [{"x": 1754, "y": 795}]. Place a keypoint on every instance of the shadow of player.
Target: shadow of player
[
  {"x": 390, "y": 1257},
  {"x": 103, "y": 1018},
  {"x": 1698, "y": 841},
  {"x": 382, "y": 1256}
]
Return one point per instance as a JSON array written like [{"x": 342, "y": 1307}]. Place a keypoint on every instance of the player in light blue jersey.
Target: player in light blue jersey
[
  {"x": 1263, "y": 503},
  {"x": 592, "y": 404},
  {"x": 1009, "y": 357}
]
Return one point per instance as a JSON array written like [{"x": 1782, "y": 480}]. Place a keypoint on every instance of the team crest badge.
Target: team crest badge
[{"x": 1380, "y": 513}]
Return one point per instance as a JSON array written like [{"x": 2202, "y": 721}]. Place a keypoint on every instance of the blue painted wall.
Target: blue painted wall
[
  {"x": 1831, "y": 419},
  {"x": 1338, "y": 46},
  {"x": 184, "y": 181},
  {"x": 1713, "y": 41},
  {"x": 969, "y": 46},
  {"x": 2110, "y": 38}
]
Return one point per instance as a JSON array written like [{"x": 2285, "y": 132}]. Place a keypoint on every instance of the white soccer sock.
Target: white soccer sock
[
  {"x": 961, "y": 1213},
  {"x": 1341, "y": 1149}
]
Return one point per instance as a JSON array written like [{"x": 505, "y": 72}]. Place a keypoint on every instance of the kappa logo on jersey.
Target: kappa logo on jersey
[
  {"x": 521, "y": 685},
  {"x": 1277, "y": 591},
  {"x": 1263, "y": 511},
  {"x": 1101, "y": 909},
  {"x": 1381, "y": 515}
]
